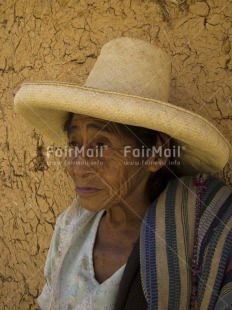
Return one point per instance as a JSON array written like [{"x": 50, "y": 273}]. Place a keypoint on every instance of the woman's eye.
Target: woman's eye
[
  {"x": 73, "y": 144},
  {"x": 102, "y": 145}
]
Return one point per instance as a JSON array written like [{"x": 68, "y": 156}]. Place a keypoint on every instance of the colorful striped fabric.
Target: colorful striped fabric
[{"x": 186, "y": 246}]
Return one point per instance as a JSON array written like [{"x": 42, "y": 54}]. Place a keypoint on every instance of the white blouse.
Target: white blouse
[{"x": 69, "y": 271}]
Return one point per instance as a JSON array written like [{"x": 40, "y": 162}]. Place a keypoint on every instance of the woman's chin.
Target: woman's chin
[
  {"x": 90, "y": 204},
  {"x": 95, "y": 204}
]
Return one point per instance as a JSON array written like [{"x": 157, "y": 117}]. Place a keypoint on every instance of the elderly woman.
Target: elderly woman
[{"x": 149, "y": 228}]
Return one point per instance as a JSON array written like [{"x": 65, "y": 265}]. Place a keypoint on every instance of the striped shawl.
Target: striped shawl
[{"x": 185, "y": 246}]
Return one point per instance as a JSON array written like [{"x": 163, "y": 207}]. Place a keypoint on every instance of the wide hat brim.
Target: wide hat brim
[{"x": 45, "y": 105}]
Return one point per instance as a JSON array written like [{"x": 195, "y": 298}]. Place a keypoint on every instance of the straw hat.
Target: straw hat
[{"x": 128, "y": 84}]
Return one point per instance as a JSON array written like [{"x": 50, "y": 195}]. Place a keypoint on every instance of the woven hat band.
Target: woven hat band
[{"x": 132, "y": 67}]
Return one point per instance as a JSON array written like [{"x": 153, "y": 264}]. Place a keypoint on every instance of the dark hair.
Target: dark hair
[{"x": 145, "y": 137}]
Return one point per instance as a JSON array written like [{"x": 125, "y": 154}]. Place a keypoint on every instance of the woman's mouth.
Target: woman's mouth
[{"x": 87, "y": 190}]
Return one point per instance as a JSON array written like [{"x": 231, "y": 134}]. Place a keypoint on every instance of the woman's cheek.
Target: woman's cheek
[{"x": 69, "y": 169}]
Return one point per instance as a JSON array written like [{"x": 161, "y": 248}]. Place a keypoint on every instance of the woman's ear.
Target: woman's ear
[{"x": 158, "y": 159}]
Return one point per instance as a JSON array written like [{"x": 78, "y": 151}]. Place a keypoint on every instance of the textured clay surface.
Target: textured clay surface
[{"x": 60, "y": 40}]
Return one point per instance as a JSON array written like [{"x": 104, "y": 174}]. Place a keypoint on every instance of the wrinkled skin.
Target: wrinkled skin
[{"x": 122, "y": 189}]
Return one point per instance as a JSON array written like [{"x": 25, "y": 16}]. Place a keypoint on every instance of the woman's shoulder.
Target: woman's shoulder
[
  {"x": 211, "y": 193},
  {"x": 199, "y": 179},
  {"x": 201, "y": 184},
  {"x": 206, "y": 194}
]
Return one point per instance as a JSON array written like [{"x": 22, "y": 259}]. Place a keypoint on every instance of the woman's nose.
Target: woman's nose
[{"x": 79, "y": 164}]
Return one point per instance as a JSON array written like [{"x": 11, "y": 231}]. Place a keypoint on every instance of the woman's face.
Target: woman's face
[{"x": 104, "y": 180}]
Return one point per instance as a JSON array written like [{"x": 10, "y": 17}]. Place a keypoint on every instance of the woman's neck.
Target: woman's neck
[{"x": 126, "y": 216}]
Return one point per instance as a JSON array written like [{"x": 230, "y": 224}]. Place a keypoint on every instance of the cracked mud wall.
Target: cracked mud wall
[{"x": 60, "y": 40}]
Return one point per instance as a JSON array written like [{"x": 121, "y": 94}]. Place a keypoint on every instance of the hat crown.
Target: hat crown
[{"x": 133, "y": 67}]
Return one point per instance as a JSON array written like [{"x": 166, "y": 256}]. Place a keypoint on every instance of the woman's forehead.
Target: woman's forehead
[{"x": 78, "y": 118}]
